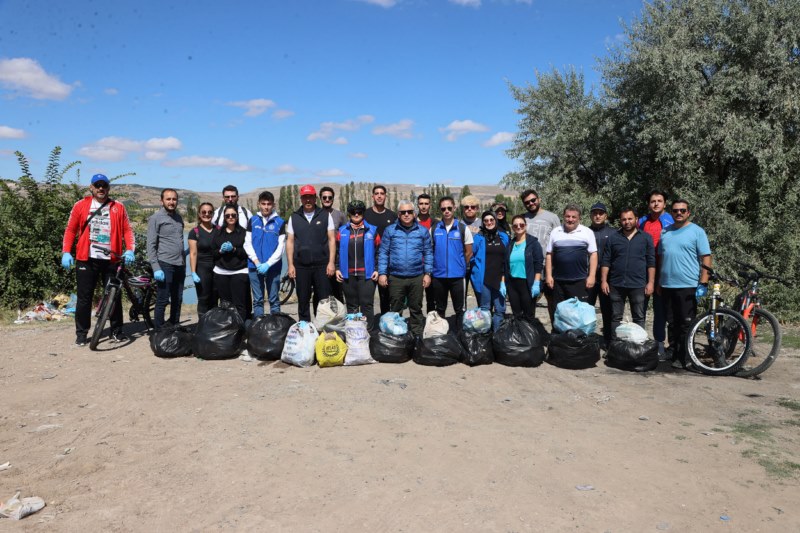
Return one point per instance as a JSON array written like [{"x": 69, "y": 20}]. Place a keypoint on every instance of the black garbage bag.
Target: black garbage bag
[
  {"x": 171, "y": 341},
  {"x": 386, "y": 348},
  {"x": 574, "y": 349},
  {"x": 219, "y": 334},
  {"x": 633, "y": 357},
  {"x": 477, "y": 348},
  {"x": 441, "y": 350},
  {"x": 266, "y": 335},
  {"x": 519, "y": 342}
]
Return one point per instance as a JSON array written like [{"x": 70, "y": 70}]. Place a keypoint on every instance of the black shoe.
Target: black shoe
[
  {"x": 119, "y": 336},
  {"x": 80, "y": 340}
]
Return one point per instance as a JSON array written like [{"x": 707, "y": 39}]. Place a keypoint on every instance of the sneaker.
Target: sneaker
[
  {"x": 246, "y": 357},
  {"x": 662, "y": 353},
  {"x": 80, "y": 340},
  {"x": 677, "y": 364},
  {"x": 119, "y": 336}
]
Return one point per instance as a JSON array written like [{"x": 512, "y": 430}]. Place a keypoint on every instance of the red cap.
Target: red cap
[{"x": 307, "y": 189}]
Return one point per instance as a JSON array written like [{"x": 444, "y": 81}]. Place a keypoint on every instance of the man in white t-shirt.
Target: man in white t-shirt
[{"x": 571, "y": 260}]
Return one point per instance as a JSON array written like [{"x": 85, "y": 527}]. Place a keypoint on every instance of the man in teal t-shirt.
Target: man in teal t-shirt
[{"x": 683, "y": 248}]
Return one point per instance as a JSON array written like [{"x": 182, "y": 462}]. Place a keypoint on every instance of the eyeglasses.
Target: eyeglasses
[
  {"x": 327, "y": 197},
  {"x": 488, "y": 221},
  {"x": 406, "y": 212},
  {"x": 206, "y": 212},
  {"x": 519, "y": 226},
  {"x": 531, "y": 201},
  {"x": 448, "y": 208},
  {"x": 681, "y": 210},
  {"x": 231, "y": 215},
  {"x": 470, "y": 207}
]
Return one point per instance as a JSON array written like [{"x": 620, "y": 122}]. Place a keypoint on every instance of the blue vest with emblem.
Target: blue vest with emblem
[
  {"x": 265, "y": 239},
  {"x": 448, "y": 251}
]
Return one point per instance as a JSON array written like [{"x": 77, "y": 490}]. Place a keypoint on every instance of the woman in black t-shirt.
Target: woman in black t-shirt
[
  {"x": 230, "y": 262},
  {"x": 201, "y": 259}
]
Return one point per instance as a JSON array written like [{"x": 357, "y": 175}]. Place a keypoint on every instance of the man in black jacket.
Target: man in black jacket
[
  {"x": 602, "y": 231},
  {"x": 311, "y": 251}
]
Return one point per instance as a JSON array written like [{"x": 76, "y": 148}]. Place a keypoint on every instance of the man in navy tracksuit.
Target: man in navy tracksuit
[
  {"x": 602, "y": 232},
  {"x": 452, "y": 250},
  {"x": 405, "y": 262},
  {"x": 264, "y": 244}
]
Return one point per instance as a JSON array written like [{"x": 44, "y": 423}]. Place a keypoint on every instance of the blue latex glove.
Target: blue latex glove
[
  {"x": 128, "y": 257},
  {"x": 158, "y": 275},
  {"x": 226, "y": 247},
  {"x": 67, "y": 261},
  {"x": 536, "y": 290},
  {"x": 701, "y": 291},
  {"x": 503, "y": 288},
  {"x": 195, "y": 277},
  {"x": 262, "y": 268}
]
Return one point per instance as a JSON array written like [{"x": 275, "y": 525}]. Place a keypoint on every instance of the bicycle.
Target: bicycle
[
  {"x": 140, "y": 291},
  {"x": 719, "y": 340},
  {"x": 764, "y": 327},
  {"x": 286, "y": 289}
]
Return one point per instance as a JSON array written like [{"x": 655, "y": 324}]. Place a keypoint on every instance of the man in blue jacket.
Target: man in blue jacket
[
  {"x": 452, "y": 250},
  {"x": 405, "y": 263},
  {"x": 264, "y": 244}
]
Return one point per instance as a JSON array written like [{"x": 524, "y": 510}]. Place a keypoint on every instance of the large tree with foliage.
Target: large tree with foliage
[{"x": 702, "y": 98}]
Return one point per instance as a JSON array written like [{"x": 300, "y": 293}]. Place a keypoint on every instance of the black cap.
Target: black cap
[{"x": 599, "y": 206}]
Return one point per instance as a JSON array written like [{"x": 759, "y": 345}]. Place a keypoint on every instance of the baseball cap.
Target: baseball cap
[
  {"x": 307, "y": 189},
  {"x": 599, "y": 206},
  {"x": 100, "y": 177}
]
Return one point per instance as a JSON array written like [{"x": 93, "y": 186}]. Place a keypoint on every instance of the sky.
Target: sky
[{"x": 200, "y": 94}]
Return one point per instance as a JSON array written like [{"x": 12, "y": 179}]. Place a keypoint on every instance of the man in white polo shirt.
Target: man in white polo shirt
[{"x": 571, "y": 260}]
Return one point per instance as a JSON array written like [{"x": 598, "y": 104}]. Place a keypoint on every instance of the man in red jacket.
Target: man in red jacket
[{"x": 99, "y": 224}]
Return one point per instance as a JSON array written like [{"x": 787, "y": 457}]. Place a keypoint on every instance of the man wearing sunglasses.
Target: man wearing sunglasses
[
  {"x": 541, "y": 223},
  {"x": 405, "y": 262},
  {"x": 683, "y": 248},
  {"x": 230, "y": 196},
  {"x": 326, "y": 195},
  {"x": 452, "y": 251},
  {"x": 165, "y": 252},
  {"x": 99, "y": 224}
]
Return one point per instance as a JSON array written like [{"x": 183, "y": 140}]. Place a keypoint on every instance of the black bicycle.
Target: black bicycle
[
  {"x": 286, "y": 289},
  {"x": 140, "y": 291}
]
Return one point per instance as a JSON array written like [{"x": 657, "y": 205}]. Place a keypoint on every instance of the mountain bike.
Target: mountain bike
[
  {"x": 286, "y": 289},
  {"x": 719, "y": 340},
  {"x": 140, "y": 291},
  {"x": 764, "y": 327}
]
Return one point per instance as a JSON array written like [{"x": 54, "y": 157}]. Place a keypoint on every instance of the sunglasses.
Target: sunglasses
[
  {"x": 231, "y": 215},
  {"x": 101, "y": 185},
  {"x": 206, "y": 212},
  {"x": 356, "y": 213},
  {"x": 448, "y": 209},
  {"x": 519, "y": 226},
  {"x": 531, "y": 201},
  {"x": 681, "y": 210},
  {"x": 470, "y": 207},
  {"x": 406, "y": 212},
  {"x": 327, "y": 197},
  {"x": 488, "y": 221}
]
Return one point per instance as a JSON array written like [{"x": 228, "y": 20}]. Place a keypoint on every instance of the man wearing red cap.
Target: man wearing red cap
[{"x": 311, "y": 250}]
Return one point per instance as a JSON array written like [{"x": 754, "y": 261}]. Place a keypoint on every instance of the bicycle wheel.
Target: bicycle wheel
[
  {"x": 767, "y": 337},
  {"x": 726, "y": 352},
  {"x": 109, "y": 301},
  {"x": 286, "y": 289}
]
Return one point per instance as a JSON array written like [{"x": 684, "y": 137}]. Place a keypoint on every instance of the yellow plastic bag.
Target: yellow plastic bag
[{"x": 330, "y": 349}]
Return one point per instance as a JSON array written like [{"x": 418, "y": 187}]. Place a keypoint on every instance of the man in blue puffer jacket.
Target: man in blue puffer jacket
[{"x": 405, "y": 262}]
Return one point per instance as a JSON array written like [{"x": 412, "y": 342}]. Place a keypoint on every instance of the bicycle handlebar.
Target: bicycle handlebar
[{"x": 716, "y": 276}]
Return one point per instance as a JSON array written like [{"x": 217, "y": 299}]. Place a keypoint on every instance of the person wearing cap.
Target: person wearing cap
[
  {"x": 165, "y": 253},
  {"x": 100, "y": 226},
  {"x": 602, "y": 231},
  {"x": 230, "y": 196},
  {"x": 311, "y": 251},
  {"x": 405, "y": 262},
  {"x": 571, "y": 260},
  {"x": 489, "y": 268},
  {"x": 501, "y": 212},
  {"x": 264, "y": 244},
  {"x": 381, "y": 217},
  {"x": 327, "y": 196},
  {"x": 452, "y": 251},
  {"x": 356, "y": 261}
]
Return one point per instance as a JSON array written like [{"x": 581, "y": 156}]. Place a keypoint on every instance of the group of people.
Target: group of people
[{"x": 237, "y": 256}]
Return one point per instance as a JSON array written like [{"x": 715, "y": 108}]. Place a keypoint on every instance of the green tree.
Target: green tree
[{"x": 464, "y": 192}]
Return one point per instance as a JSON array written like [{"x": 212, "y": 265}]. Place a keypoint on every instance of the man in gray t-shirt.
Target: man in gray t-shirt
[{"x": 540, "y": 223}]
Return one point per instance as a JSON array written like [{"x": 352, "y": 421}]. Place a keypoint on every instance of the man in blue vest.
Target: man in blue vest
[
  {"x": 264, "y": 244},
  {"x": 452, "y": 250}
]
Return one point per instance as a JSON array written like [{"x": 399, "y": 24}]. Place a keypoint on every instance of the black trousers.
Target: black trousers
[
  {"x": 430, "y": 299},
  {"x": 310, "y": 280},
  {"x": 681, "y": 308},
  {"x": 206, "y": 290},
  {"x": 235, "y": 288},
  {"x": 408, "y": 291},
  {"x": 359, "y": 293},
  {"x": 519, "y": 295},
  {"x": 564, "y": 290},
  {"x": 606, "y": 309},
  {"x": 87, "y": 274},
  {"x": 454, "y": 287},
  {"x": 336, "y": 290},
  {"x": 635, "y": 298}
]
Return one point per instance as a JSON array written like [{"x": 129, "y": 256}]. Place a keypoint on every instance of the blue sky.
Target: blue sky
[{"x": 200, "y": 94}]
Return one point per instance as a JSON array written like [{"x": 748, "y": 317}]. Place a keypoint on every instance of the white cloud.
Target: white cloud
[
  {"x": 254, "y": 107},
  {"x": 327, "y": 129},
  {"x": 207, "y": 161},
  {"x": 330, "y": 173},
  {"x": 111, "y": 91},
  {"x": 280, "y": 114},
  {"x": 286, "y": 169},
  {"x": 358, "y": 155},
  {"x": 401, "y": 129},
  {"x": 382, "y": 3},
  {"x": 501, "y": 137},
  {"x": 118, "y": 148},
  {"x": 457, "y": 128},
  {"x": 27, "y": 76},
  {"x": 7, "y": 132},
  {"x": 468, "y": 3}
]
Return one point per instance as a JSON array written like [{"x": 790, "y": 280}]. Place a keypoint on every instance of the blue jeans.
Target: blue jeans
[
  {"x": 169, "y": 292},
  {"x": 492, "y": 298},
  {"x": 271, "y": 281},
  {"x": 659, "y": 316}
]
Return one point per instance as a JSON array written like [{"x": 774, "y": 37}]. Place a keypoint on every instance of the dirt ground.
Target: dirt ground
[{"x": 119, "y": 440}]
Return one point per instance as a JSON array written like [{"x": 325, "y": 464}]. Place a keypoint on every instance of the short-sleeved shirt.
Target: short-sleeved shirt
[
  {"x": 205, "y": 250},
  {"x": 541, "y": 225},
  {"x": 380, "y": 220},
  {"x": 681, "y": 250},
  {"x": 570, "y": 252}
]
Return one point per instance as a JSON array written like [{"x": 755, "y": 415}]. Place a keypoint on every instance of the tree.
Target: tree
[
  {"x": 701, "y": 100},
  {"x": 464, "y": 192}
]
